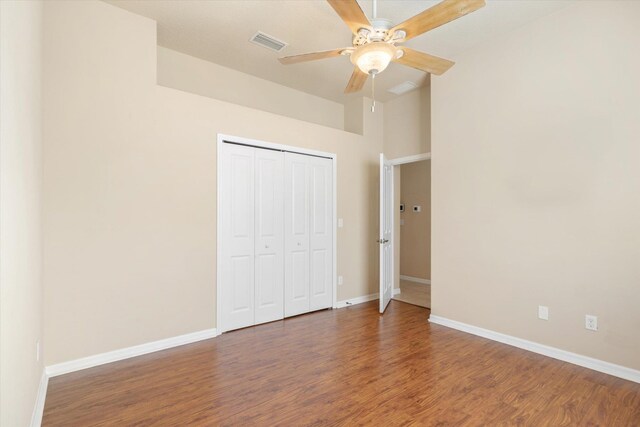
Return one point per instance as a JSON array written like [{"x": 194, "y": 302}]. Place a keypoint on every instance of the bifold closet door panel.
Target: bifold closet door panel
[
  {"x": 276, "y": 235},
  {"x": 238, "y": 242},
  {"x": 296, "y": 234},
  {"x": 269, "y": 230},
  {"x": 321, "y": 232}
]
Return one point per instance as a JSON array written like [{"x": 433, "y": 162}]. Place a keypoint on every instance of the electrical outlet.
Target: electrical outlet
[
  {"x": 340, "y": 223},
  {"x": 591, "y": 322},
  {"x": 340, "y": 280},
  {"x": 543, "y": 312}
]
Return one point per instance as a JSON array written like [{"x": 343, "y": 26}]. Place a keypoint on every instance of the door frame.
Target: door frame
[
  {"x": 398, "y": 162},
  {"x": 222, "y": 139},
  {"x": 410, "y": 159}
]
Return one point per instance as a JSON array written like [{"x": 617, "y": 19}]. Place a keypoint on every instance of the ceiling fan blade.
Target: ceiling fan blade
[
  {"x": 437, "y": 15},
  {"x": 311, "y": 56},
  {"x": 356, "y": 82},
  {"x": 423, "y": 61},
  {"x": 351, "y": 14}
]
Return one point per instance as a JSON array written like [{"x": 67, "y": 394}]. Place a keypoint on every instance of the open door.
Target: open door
[{"x": 386, "y": 224}]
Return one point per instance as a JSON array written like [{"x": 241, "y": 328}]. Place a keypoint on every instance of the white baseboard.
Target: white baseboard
[
  {"x": 415, "y": 279},
  {"x": 38, "y": 407},
  {"x": 125, "y": 353},
  {"x": 396, "y": 291},
  {"x": 361, "y": 299},
  {"x": 356, "y": 300},
  {"x": 556, "y": 353}
]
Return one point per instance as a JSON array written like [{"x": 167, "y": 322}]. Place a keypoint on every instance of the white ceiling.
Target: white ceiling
[{"x": 219, "y": 30}]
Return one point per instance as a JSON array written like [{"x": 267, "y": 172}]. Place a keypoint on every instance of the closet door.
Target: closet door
[
  {"x": 238, "y": 242},
  {"x": 269, "y": 235},
  {"x": 296, "y": 234},
  {"x": 321, "y": 232}
]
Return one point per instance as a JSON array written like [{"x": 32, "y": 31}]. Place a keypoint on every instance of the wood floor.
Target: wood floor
[
  {"x": 414, "y": 293},
  {"x": 343, "y": 367}
]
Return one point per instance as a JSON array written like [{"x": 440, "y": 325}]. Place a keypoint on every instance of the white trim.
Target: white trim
[
  {"x": 410, "y": 159},
  {"x": 556, "y": 353},
  {"x": 126, "y": 353},
  {"x": 263, "y": 144},
  {"x": 273, "y": 146},
  {"x": 415, "y": 279},
  {"x": 38, "y": 407},
  {"x": 356, "y": 300},
  {"x": 218, "y": 232},
  {"x": 361, "y": 299},
  {"x": 335, "y": 231},
  {"x": 396, "y": 291}
]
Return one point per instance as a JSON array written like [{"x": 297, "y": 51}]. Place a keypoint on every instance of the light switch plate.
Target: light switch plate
[
  {"x": 340, "y": 222},
  {"x": 591, "y": 322},
  {"x": 543, "y": 312}
]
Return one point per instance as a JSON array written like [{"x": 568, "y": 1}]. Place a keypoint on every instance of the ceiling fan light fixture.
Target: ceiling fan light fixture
[{"x": 373, "y": 58}]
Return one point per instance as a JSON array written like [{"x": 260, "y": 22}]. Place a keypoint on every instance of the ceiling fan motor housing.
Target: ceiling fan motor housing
[{"x": 378, "y": 32}]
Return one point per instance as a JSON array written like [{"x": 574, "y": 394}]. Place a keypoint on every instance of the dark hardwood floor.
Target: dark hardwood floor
[{"x": 343, "y": 367}]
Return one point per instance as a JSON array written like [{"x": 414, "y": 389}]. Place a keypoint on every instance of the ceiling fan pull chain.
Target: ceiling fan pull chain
[
  {"x": 375, "y": 9},
  {"x": 373, "y": 93}
]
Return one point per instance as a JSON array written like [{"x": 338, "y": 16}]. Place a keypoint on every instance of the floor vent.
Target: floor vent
[
  {"x": 403, "y": 88},
  {"x": 267, "y": 41}
]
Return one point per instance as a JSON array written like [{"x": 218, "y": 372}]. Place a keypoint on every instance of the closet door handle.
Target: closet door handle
[{"x": 382, "y": 241}]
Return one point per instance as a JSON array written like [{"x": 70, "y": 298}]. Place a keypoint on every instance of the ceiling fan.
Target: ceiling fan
[{"x": 374, "y": 42}]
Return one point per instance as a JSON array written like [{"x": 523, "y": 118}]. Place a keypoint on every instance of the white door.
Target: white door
[
  {"x": 296, "y": 234},
  {"x": 238, "y": 243},
  {"x": 321, "y": 232},
  {"x": 269, "y": 235},
  {"x": 386, "y": 224}
]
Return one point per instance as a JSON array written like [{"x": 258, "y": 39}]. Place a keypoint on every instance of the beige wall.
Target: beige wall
[
  {"x": 20, "y": 192},
  {"x": 415, "y": 234},
  {"x": 179, "y": 71},
  {"x": 407, "y": 124},
  {"x": 425, "y": 117},
  {"x": 353, "y": 114},
  {"x": 536, "y": 182},
  {"x": 130, "y": 187}
]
